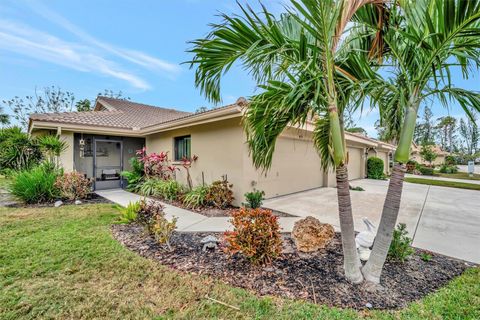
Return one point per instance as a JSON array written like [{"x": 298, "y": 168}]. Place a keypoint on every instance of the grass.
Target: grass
[
  {"x": 458, "y": 175},
  {"x": 59, "y": 263},
  {"x": 443, "y": 183}
]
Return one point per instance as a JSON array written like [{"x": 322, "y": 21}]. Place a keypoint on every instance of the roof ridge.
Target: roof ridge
[{"x": 143, "y": 104}]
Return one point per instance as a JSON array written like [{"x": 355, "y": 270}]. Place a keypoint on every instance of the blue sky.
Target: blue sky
[{"x": 133, "y": 46}]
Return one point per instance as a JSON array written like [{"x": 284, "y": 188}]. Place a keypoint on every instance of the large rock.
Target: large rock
[{"x": 311, "y": 235}]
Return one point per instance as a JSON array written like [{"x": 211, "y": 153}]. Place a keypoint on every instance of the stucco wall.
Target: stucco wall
[
  {"x": 356, "y": 163},
  {"x": 66, "y": 158},
  {"x": 438, "y": 161}
]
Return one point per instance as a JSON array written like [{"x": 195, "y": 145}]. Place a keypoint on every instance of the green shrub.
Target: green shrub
[
  {"x": 220, "y": 194},
  {"x": 36, "y": 185},
  {"x": 256, "y": 235},
  {"x": 411, "y": 166},
  {"x": 401, "y": 246},
  {"x": 130, "y": 213},
  {"x": 357, "y": 188},
  {"x": 73, "y": 186},
  {"x": 426, "y": 171},
  {"x": 149, "y": 187},
  {"x": 18, "y": 151},
  {"x": 254, "y": 198},
  {"x": 448, "y": 169},
  {"x": 52, "y": 147},
  {"x": 169, "y": 189},
  {"x": 196, "y": 198},
  {"x": 450, "y": 161},
  {"x": 134, "y": 177},
  {"x": 375, "y": 168},
  {"x": 152, "y": 216},
  {"x": 425, "y": 256}
]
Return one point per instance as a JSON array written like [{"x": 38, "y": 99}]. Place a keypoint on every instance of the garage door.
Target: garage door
[
  {"x": 295, "y": 167},
  {"x": 355, "y": 163}
]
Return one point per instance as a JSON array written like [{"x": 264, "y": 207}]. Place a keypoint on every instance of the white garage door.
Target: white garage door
[{"x": 355, "y": 163}]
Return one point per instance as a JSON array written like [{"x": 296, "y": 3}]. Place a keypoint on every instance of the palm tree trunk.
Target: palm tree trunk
[
  {"x": 373, "y": 268},
  {"x": 350, "y": 257}
]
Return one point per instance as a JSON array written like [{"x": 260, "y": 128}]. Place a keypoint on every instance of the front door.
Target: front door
[{"x": 108, "y": 164}]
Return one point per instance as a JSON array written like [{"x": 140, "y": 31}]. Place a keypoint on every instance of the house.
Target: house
[
  {"x": 415, "y": 154},
  {"x": 101, "y": 142}
]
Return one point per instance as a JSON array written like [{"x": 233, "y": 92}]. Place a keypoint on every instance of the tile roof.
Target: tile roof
[{"x": 116, "y": 113}]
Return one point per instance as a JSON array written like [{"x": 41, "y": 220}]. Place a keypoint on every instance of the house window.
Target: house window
[{"x": 182, "y": 147}]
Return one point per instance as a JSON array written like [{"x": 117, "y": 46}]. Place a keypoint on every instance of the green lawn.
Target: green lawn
[
  {"x": 458, "y": 175},
  {"x": 443, "y": 183},
  {"x": 63, "y": 263}
]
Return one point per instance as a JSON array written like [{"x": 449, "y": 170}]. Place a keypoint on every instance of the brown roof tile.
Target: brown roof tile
[{"x": 115, "y": 113}]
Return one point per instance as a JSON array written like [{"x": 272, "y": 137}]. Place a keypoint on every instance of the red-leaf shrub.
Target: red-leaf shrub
[
  {"x": 156, "y": 165},
  {"x": 220, "y": 194},
  {"x": 256, "y": 235},
  {"x": 74, "y": 186}
]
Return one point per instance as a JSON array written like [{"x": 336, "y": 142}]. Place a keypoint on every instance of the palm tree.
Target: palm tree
[
  {"x": 431, "y": 39},
  {"x": 306, "y": 73},
  {"x": 4, "y": 118}
]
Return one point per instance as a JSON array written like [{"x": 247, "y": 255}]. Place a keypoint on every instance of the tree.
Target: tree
[
  {"x": 427, "y": 153},
  {"x": 470, "y": 133},
  {"x": 430, "y": 38},
  {"x": 49, "y": 99},
  {"x": 447, "y": 127},
  {"x": 425, "y": 131},
  {"x": 4, "y": 118},
  {"x": 83, "y": 105},
  {"x": 305, "y": 73},
  {"x": 112, "y": 94}
]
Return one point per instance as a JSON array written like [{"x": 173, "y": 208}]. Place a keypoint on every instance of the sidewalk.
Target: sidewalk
[
  {"x": 442, "y": 178},
  {"x": 188, "y": 221}
]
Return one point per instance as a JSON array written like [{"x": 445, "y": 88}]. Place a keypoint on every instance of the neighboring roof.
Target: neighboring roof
[
  {"x": 435, "y": 148},
  {"x": 378, "y": 143}
]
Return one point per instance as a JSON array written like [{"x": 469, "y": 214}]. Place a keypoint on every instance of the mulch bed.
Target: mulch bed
[
  {"x": 214, "y": 212},
  {"x": 92, "y": 199},
  {"x": 315, "y": 277}
]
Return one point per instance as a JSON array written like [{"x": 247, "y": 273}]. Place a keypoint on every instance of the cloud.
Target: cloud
[
  {"x": 22, "y": 39},
  {"x": 133, "y": 56}
]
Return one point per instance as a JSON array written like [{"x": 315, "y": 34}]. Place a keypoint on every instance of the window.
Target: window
[{"x": 182, "y": 147}]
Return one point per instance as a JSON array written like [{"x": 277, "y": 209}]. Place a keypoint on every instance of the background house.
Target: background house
[
  {"x": 100, "y": 143},
  {"x": 415, "y": 154}
]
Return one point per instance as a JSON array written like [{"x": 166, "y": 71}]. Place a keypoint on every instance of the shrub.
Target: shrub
[
  {"x": 256, "y": 235},
  {"x": 130, "y": 213},
  {"x": 411, "y": 166},
  {"x": 134, "y": 177},
  {"x": 426, "y": 171},
  {"x": 17, "y": 150},
  {"x": 375, "y": 168},
  {"x": 152, "y": 216},
  {"x": 254, "y": 199},
  {"x": 425, "y": 256},
  {"x": 448, "y": 169},
  {"x": 156, "y": 164},
  {"x": 168, "y": 189},
  {"x": 220, "y": 194},
  {"x": 196, "y": 197},
  {"x": 450, "y": 161},
  {"x": 52, "y": 147},
  {"x": 149, "y": 187},
  {"x": 36, "y": 185},
  {"x": 73, "y": 186},
  {"x": 400, "y": 248}
]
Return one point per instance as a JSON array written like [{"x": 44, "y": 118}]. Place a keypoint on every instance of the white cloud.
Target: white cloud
[
  {"x": 22, "y": 39},
  {"x": 133, "y": 56}
]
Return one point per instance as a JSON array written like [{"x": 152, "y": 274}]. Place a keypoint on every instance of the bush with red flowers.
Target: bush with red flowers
[{"x": 256, "y": 235}]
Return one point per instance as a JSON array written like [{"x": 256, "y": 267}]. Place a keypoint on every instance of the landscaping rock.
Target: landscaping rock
[
  {"x": 77, "y": 202},
  {"x": 58, "y": 203},
  {"x": 311, "y": 235}
]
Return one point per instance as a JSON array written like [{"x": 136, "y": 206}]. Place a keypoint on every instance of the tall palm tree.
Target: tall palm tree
[
  {"x": 431, "y": 38},
  {"x": 305, "y": 74}
]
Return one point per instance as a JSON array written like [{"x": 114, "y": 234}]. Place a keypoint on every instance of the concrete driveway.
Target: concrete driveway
[{"x": 443, "y": 220}]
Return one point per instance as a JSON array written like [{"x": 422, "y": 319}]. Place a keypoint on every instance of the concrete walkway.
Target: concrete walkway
[
  {"x": 188, "y": 221},
  {"x": 442, "y": 179}
]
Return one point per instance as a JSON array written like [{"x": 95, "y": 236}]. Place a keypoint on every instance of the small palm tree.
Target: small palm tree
[
  {"x": 306, "y": 74},
  {"x": 52, "y": 147},
  {"x": 429, "y": 39}
]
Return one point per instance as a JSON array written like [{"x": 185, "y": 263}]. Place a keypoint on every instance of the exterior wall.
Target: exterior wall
[
  {"x": 295, "y": 166},
  {"x": 438, "y": 161},
  {"x": 219, "y": 147},
  {"x": 66, "y": 158}
]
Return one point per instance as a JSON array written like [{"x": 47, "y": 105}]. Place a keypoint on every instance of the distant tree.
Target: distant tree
[
  {"x": 470, "y": 134},
  {"x": 49, "y": 99},
  {"x": 427, "y": 153},
  {"x": 112, "y": 94},
  {"x": 201, "y": 109},
  {"x": 4, "y": 118},
  {"x": 446, "y": 127},
  {"x": 425, "y": 131},
  {"x": 357, "y": 130},
  {"x": 83, "y": 105}
]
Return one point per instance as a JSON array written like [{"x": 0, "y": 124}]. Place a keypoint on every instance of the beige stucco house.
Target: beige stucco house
[
  {"x": 415, "y": 155},
  {"x": 100, "y": 143}
]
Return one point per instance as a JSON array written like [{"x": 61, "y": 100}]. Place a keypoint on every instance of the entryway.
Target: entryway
[{"x": 107, "y": 163}]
